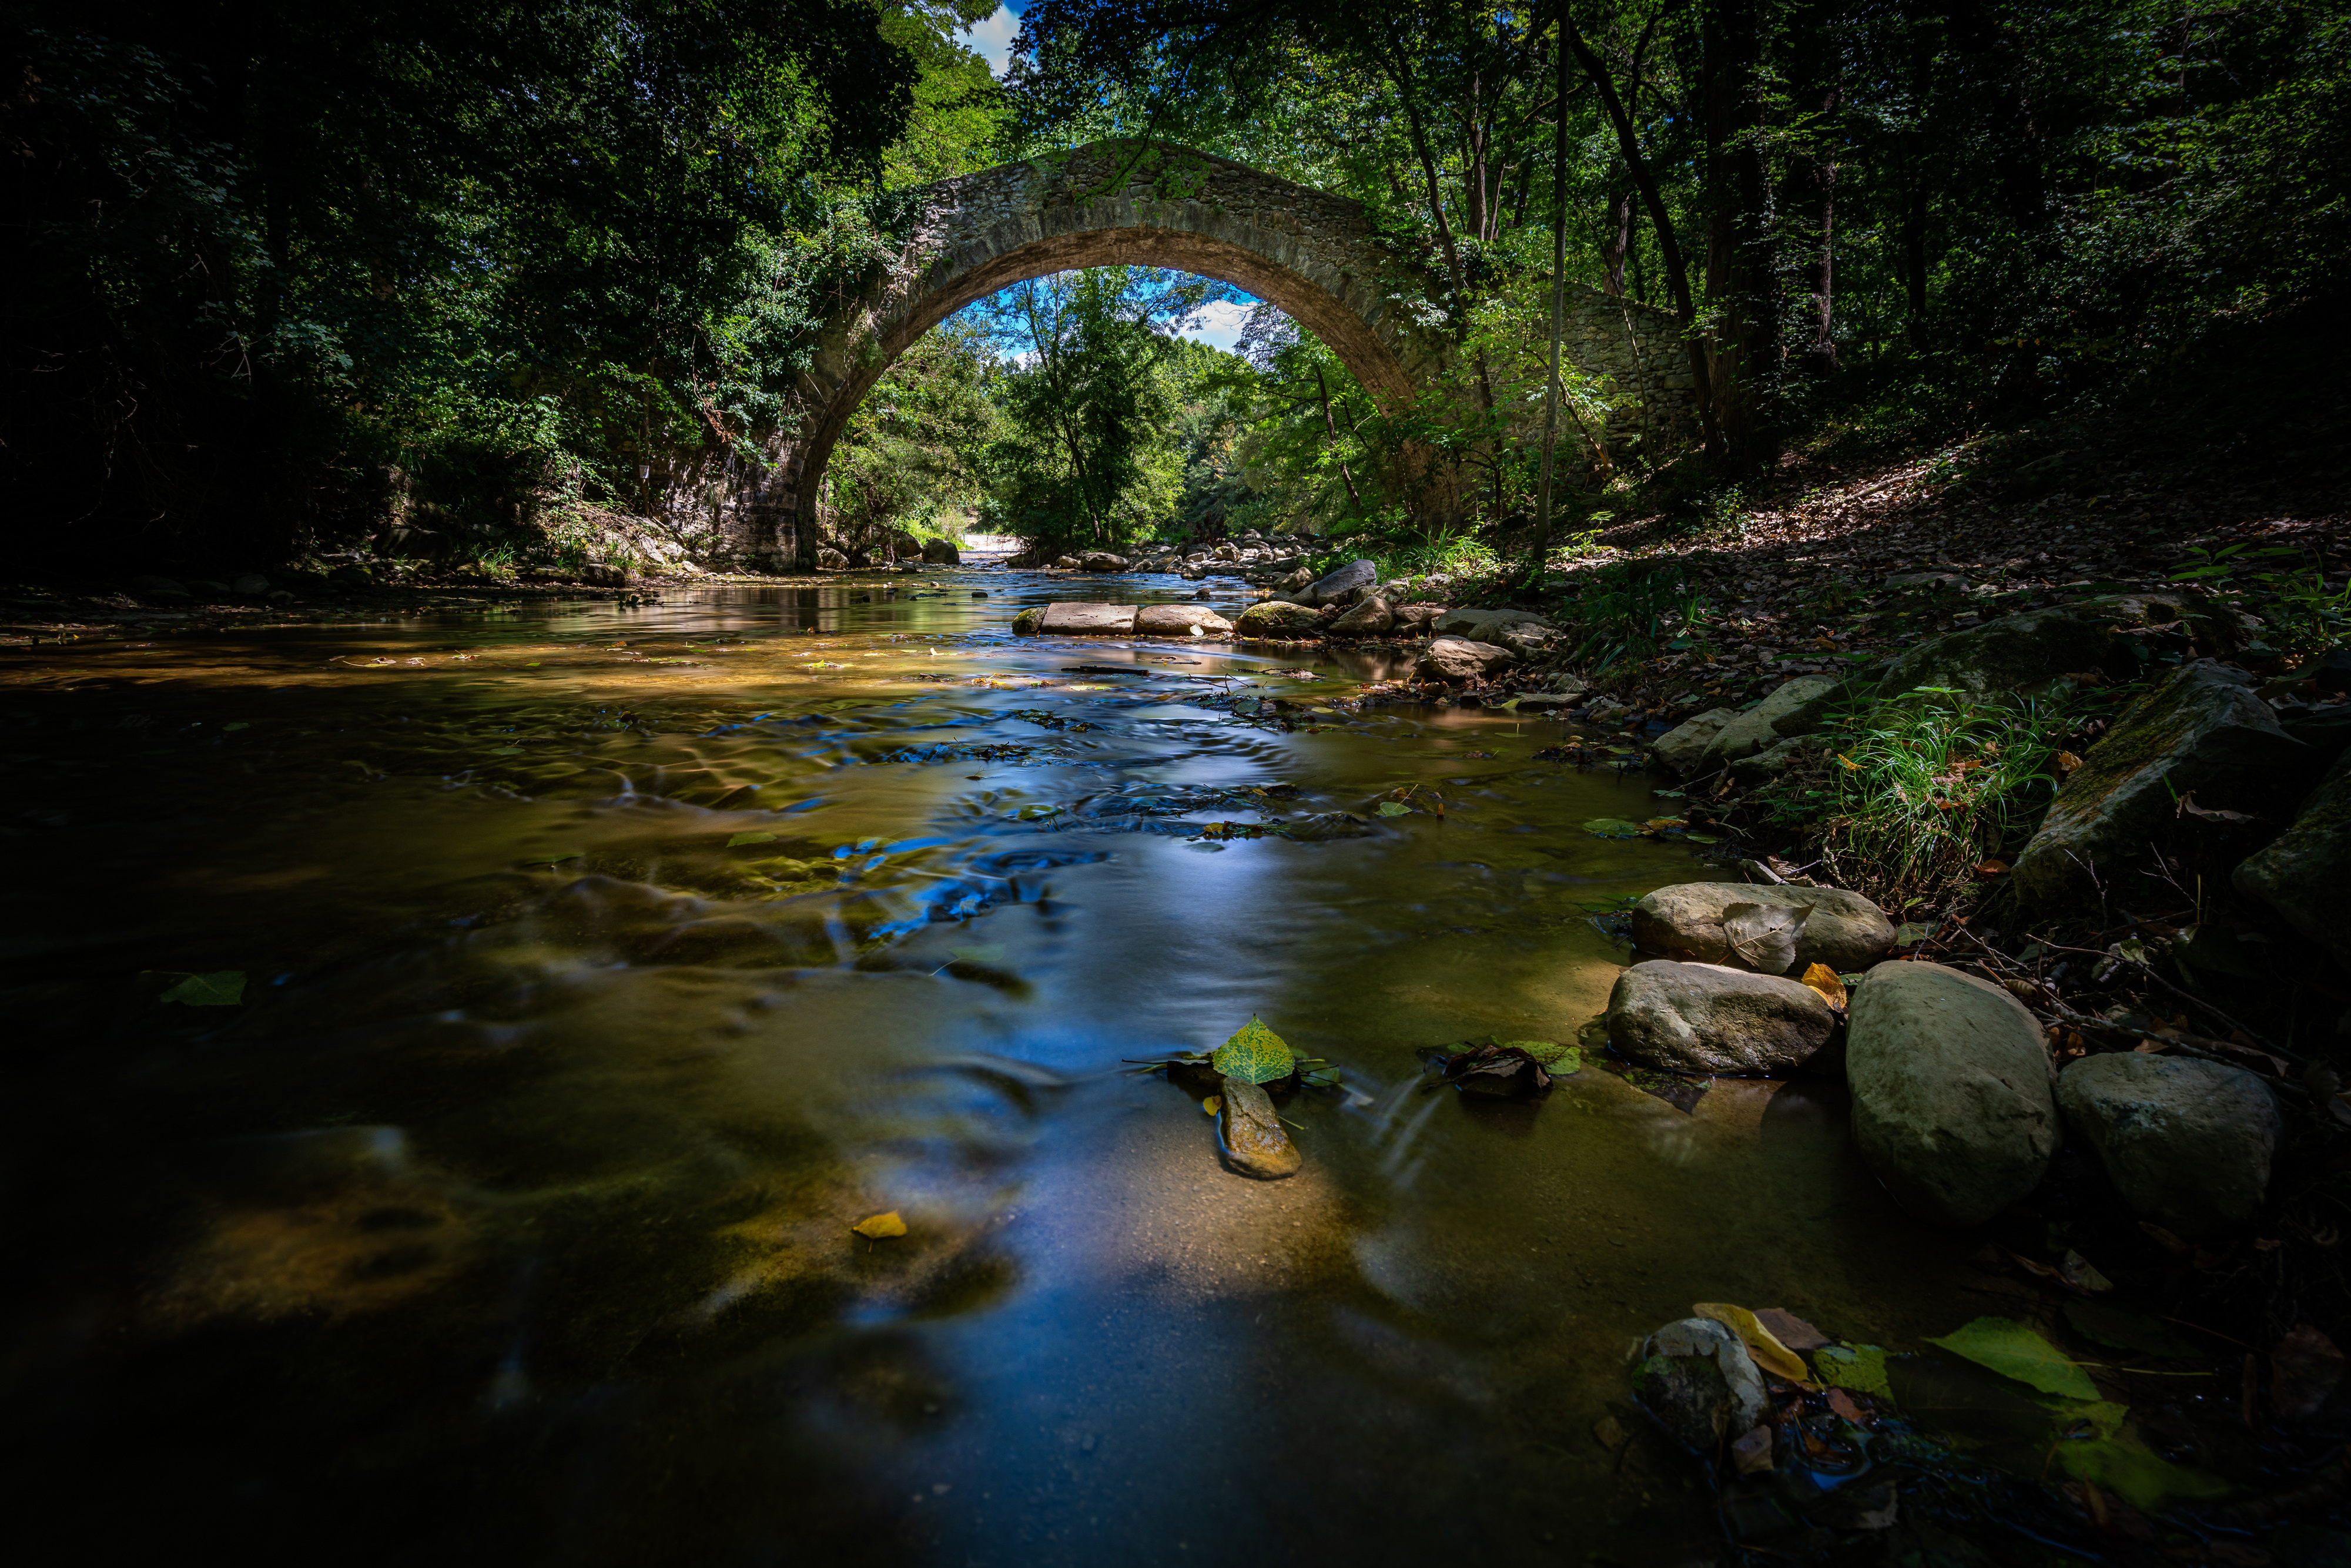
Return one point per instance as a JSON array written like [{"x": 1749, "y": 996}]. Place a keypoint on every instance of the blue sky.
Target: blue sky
[{"x": 1218, "y": 324}]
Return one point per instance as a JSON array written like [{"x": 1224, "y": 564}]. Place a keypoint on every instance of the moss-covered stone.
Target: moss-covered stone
[{"x": 2303, "y": 873}]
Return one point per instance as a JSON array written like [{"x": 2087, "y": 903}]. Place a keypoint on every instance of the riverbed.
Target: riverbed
[{"x": 597, "y": 969}]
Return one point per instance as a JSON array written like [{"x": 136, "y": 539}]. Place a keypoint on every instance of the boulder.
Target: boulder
[
  {"x": 2302, "y": 869},
  {"x": 1277, "y": 619},
  {"x": 1457, "y": 659},
  {"x": 1704, "y": 1018},
  {"x": 1028, "y": 622},
  {"x": 1332, "y": 586},
  {"x": 1066, "y": 563},
  {"x": 1696, "y": 1377},
  {"x": 1102, "y": 561},
  {"x": 830, "y": 560},
  {"x": 2203, "y": 730},
  {"x": 1492, "y": 626},
  {"x": 1796, "y": 708},
  {"x": 2026, "y": 651},
  {"x": 1952, "y": 1106},
  {"x": 1297, "y": 582},
  {"x": 2187, "y": 1143},
  {"x": 1086, "y": 620},
  {"x": 1768, "y": 764},
  {"x": 1679, "y": 748},
  {"x": 1367, "y": 618},
  {"x": 1249, "y": 1134},
  {"x": 1413, "y": 615},
  {"x": 1844, "y": 930},
  {"x": 1179, "y": 620},
  {"x": 941, "y": 552}
]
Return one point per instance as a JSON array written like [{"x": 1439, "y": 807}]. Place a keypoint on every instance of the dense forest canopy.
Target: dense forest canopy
[{"x": 282, "y": 277}]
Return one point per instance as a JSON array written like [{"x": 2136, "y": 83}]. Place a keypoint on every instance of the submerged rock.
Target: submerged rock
[
  {"x": 1844, "y": 930},
  {"x": 1083, "y": 620},
  {"x": 2302, "y": 873},
  {"x": 1796, "y": 708},
  {"x": 2204, "y": 730},
  {"x": 1276, "y": 619},
  {"x": 2187, "y": 1143},
  {"x": 1250, "y": 1135},
  {"x": 1326, "y": 825},
  {"x": 1696, "y": 1377},
  {"x": 1679, "y": 748},
  {"x": 1952, "y": 1106},
  {"x": 1704, "y": 1018},
  {"x": 1177, "y": 621},
  {"x": 1457, "y": 659}
]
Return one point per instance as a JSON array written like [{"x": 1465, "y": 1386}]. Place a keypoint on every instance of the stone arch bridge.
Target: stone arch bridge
[{"x": 1313, "y": 255}]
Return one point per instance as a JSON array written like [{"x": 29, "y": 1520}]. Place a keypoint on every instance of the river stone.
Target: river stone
[
  {"x": 1335, "y": 585},
  {"x": 2032, "y": 648},
  {"x": 1844, "y": 930},
  {"x": 1085, "y": 620},
  {"x": 2204, "y": 730},
  {"x": 1457, "y": 659},
  {"x": 1412, "y": 615},
  {"x": 1679, "y": 748},
  {"x": 2302, "y": 873},
  {"x": 1326, "y": 825},
  {"x": 1796, "y": 708},
  {"x": 1177, "y": 621},
  {"x": 1950, "y": 1090},
  {"x": 1027, "y": 622},
  {"x": 2187, "y": 1143},
  {"x": 1704, "y": 1018},
  {"x": 1763, "y": 767},
  {"x": 1102, "y": 561},
  {"x": 1367, "y": 618},
  {"x": 1276, "y": 618},
  {"x": 1698, "y": 1380},
  {"x": 1490, "y": 625},
  {"x": 942, "y": 552},
  {"x": 1250, "y": 1135},
  {"x": 830, "y": 560}
]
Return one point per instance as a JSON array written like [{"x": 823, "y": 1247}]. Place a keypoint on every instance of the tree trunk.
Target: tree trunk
[
  {"x": 1740, "y": 262},
  {"x": 1615, "y": 243},
  {"x": 1815, "y": 91},
  {"x": 1330, "y": 428},
  {"x": 1541, "y": 551}
]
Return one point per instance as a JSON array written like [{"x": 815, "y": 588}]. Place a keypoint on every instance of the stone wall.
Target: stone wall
[{"x": 1314, "y": 255}]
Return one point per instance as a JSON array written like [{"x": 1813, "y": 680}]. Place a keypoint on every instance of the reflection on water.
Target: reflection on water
[{"x": 603, "y": 967}]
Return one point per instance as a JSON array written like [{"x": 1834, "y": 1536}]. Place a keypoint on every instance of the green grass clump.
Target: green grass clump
[{"x": 1929, "y": 785}]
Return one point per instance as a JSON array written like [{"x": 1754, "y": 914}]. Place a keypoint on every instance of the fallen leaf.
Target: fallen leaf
[
  {"x": 2013, "y": 1350},
  {"x": 2067, "y": 761},
  {"x": 221, "y": 989},
  {"x": 1763, "y": 937},
  {"x": 2304, "y": 1370},
  {"x": 1824, "y": 979},
  {"x": 1791, "y": 1330},
  {"x": 2188, "y": 808},
  {"x": 1394, "y": 809},
  {"x": 1844, "y": 1405},
  {"x": 1212, "y": 1104},
  {"x": 1770, "y": 1353},
  {"x": 1991, "y": 868},
  {"x": 1609, "y": 1432},
  {"x": 1911, "y": 931},
  {"x": 1254, "y": 1054},
  {"x": 1751, "y": 1455},
  {"x": 1860, "y": 1368},
  {"x": 874, "y": 1226},
  {"x": 2077, "y": 1271}
]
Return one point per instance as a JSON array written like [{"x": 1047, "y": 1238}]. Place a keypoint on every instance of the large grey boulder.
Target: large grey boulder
[
  {"x": 1178, "y": 620},
  {"x": 2027, "y": 650},
  {"x": 2187, "y": 1143},
  {"x": 1455, "y": 659},
  {"x": 1335, "y": 586},
  {"x": 1275, "y": 619},
  {"x": 1697, "y": 1379},
  {"x": 1679, "y": 748},
  {"x": 1069, "y": 620},
  {"x": 1952, "y": 1106},
  {"x": 1799, "y": 707},
  {"x": 1704, "y": 1018},
  {"x": 1369, "y": 618},
  {"x": 2204, "y": 730},
  {"x": 941, "y": 552},
  {"x": 1843, "y": 930},
  {"x": 1493, "y": 625},
  {"x": 1102, "y": 561},
  {"x": 2304, "y": 872}
]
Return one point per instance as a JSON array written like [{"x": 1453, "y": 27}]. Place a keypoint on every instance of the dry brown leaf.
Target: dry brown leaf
[
  {"x": 1824, "y": 979},
  {"x": 874, "y": 1226},
  {"x": 2067, "y": 761},
  {"x": 1791, "y": 1330},
  {"x": 1991, "y": 868},
  {"x": 1751, "y": 1455},
  {"x": 1844, "y": 1405},
  {"x": 1770, "y": 1354}
]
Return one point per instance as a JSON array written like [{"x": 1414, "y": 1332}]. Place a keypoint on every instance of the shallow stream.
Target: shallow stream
[{"x": 508, "y": 1216}]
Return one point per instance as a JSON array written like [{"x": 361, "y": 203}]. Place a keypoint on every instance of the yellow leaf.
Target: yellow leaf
[
  {"x": 2068, "y": 761},
  {"x": 1770, "y": 1353},
  {"x": 1851, "y": 766},
  {"x": 1212, "y": 1104},
  {"x": 876, "y": 1226},
  {"x": 1824, "y": 979}
]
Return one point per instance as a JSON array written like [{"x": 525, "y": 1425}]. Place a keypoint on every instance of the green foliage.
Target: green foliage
[
  {"x": 1254, "y": 1054},
  {"x": 1631, "y": 609},
  {"x": 2014, "y": 1350},
  {"x": 915, "y": 452},
  {"x": 1929, "y": 783}
]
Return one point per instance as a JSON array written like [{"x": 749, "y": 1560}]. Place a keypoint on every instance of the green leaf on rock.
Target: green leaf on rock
[
  {"x": 221, "y": 989},
  {"x": 1555, "y": 1059},
  {"x": 1860, "y": 1368},
  {"x": 1394, "y": 809},
  {"x": 2013, "y": 1350},
  {"x": 1612, "y": 828},
  {"x": 1255, "y": 1055}
]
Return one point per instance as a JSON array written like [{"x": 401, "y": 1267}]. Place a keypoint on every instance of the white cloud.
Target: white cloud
[
  {"x": 991, "y": 39},
  {"x": 1218, "y": 323}
]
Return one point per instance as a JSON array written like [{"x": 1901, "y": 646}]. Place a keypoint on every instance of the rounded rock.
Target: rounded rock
[
  {"x": 1249, "y": 1134},
  {"x": 2187, "y": 1143},
  {"x": 1844, "y": 931},
  {"x": 1951, "y": 1107},
  {"x": 1704, "y": 1018}
]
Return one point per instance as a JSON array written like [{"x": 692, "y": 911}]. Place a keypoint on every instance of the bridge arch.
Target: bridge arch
[{"x": 1313, "y": 255}]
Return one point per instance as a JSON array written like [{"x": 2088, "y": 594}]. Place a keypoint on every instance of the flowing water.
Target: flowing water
[{"x": 509, "y": 1214}]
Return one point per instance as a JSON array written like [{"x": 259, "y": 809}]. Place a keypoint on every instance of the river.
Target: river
[{"x": 507, "y": 1215}]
